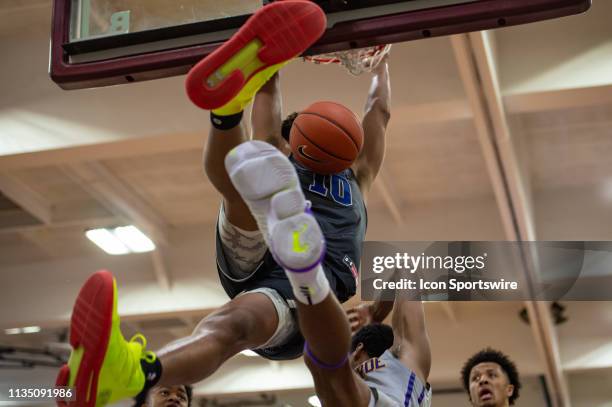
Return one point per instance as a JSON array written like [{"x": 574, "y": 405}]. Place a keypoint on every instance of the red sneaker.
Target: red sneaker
[{"x": 272, "y": 36}]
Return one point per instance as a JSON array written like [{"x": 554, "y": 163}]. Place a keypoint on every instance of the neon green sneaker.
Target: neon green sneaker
[
  {"x": 246, "y": 94},
  {"x": 103, "y": 367},
  {"x": 227, "y": 79}
]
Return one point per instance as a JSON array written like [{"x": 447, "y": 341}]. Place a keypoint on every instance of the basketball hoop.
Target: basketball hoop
[{"x": 356, "y": 61}]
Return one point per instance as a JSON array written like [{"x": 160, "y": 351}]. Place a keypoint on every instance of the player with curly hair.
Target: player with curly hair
[{"x": 491, "y": 379}]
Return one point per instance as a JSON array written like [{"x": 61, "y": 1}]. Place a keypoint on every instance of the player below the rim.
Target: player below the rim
[
  {"x": 162, "y": 396},
  {"x": 103, "y": 366},
  {"x": 394, "y": 361},
  {"x": 491, "y": 379}
]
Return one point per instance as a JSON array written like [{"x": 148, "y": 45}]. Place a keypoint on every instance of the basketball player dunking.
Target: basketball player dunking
[{"x": 274, "y": 214}]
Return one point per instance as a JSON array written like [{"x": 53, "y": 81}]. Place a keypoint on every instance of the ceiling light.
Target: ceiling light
[
  {"x": 121, "y": 240},
  {"x": 314, "y": 401},
  {"x": 30, "y": 329},
  {"x": 25, "y": 330},
  {"x": 134, "y": 239},
  {"x": 249, "y": 353},
  {"x": 107, "y": 241}
]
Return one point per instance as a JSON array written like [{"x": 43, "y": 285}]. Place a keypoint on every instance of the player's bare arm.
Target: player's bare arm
[
  {"x": 375, "y": 120},
  {"x": 411, "y": 343},
  {"x": 267, "y": 115},
  {"x": 364, "y": 314}
]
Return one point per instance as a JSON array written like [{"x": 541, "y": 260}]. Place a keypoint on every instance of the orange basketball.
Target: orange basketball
[{"x": 326, "y": 137}]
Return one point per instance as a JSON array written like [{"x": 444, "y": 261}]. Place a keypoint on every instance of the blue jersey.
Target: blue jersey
[{"x": 338, "y": 206}]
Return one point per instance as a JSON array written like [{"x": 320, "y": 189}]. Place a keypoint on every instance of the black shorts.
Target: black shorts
[{"x": 270, "y": 275}]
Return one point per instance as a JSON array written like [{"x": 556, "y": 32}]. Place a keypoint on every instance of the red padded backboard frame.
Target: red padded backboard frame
[{"x": 433, "y": 22}]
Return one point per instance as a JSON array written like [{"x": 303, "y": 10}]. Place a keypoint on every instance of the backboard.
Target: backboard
[{"x": 107, "y": 42}]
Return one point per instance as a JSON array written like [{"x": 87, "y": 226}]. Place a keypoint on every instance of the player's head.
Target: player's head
[
  {"x": 370, "y": 341},
  {"x": 286, "y": 125},
  {"x": 325, "y": 137},
  {"x": 490, "y": 379},
  {"x": 166, "y": 396}
]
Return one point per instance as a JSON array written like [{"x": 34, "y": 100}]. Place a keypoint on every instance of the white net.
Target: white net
[{"x": 356, "y": 61}]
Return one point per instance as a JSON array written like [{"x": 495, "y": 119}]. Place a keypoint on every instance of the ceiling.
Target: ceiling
[{"x": 511, "y": 127}]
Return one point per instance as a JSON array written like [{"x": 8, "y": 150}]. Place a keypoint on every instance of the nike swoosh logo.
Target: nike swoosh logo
[
  {"x": 298, "y": 246},
  {"x": 301, "y": 149}
]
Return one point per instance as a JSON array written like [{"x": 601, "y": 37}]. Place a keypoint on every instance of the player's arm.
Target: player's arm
[
  {"x": 368, "y": 313},
  {"x": 364, "y": 314},
  {"x": 266, "y": 115},
  {"x": 376, "y": 117},
  {"x": 411, "y": 343}
]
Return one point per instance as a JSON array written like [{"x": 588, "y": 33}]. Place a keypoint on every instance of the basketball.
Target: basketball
[{"x": 326, "y": 137}]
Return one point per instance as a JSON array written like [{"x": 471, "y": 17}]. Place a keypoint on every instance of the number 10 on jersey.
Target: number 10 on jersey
[{"x": 336, "y": 186}]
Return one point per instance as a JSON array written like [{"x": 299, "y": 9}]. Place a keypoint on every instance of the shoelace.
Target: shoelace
[{"x": 147, "y": 355}]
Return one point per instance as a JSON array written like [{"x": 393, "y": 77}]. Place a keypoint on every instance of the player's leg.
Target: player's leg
[
  {"x": 297, "y": 244},
  {"x": 227, "y": 131},
  {"x": 326, "y": 354},
  {"x": 226, "y": 81},
  {"x": 265, "y": 123},
  {"x": 267, "y": 115},
  {"x": 218, "y": 144},
  {"x": 248, "y": 321},
  {"x": 105, "y": 368}
]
